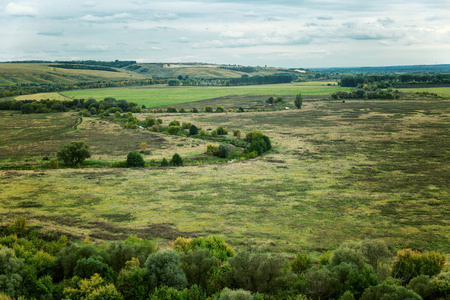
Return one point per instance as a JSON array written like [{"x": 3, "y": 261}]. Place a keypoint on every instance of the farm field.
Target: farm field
[
  {"x": 339, "y": 171},
  {"x": 151, "y": 97},
  {"x": 441, "y": 91}
]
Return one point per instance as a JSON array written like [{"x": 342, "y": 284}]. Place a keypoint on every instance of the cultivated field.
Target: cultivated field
[
  {"x": 151, "y": 96},
  {"x": 339, "y": 171}
]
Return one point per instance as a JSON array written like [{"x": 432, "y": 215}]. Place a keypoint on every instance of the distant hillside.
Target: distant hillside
[
  {"x": 47, "y": 72},
  {"x": 205, "y": 71},
  {"x": 415, "y": 69}
]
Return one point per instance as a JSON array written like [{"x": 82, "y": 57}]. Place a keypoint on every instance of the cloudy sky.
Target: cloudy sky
[{"x": 282, "y": 33}]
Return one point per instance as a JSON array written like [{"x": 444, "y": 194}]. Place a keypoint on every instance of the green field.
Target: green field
[
  {"x": 339, "y": 171},
  {"x": 441, "y": 91},
  {"x": 151, "y": 97}
]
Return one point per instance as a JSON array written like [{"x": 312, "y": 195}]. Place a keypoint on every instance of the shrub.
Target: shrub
[
  {"x": 94, "y": 288},
  {"x": 221, "y": 130},
  {"x": 171, "y": 109},
  {"x": 237, "y": 133},
  {"x": 208, "y": 109},
  {"x": 143, "y": 146},
  {"x": 74, "y": 153},
  {"x": 240, "y": 294},
  {"x": 224, "y": 150},
  {"x": 409, "y": 264},
  {"x": 185, "y": 125},
  {"x": 182, "y": 110},
  {"x": 260, "y": 272},
  {"x": 193, "y": 130},
  {"x": 11, "y": 272},
  {"x": 391, "y": 292},
  {"x": 173, "y": 82},
  {"x": 197, "y": 265},
  {"x": 270, "y": 100},
  {"x": 301, "y": 263},
  {"x": 202, "y": 132},
  {"x": 298, "y": 102},
  {"x": 164, "y": 162},
  {"x": 174, "y": 123},
  {"x": 194, "y": 110},
  {"x": 135, "y": 159},
  {"x": 163, "y": 269},
  {"x": 253, "y": 135},
  {"x": 20, "y": 226},
  {"x": 214, "y": 133},
  {"x": 154, "y": 128},
  {"x": 131, "y": 281},
  {"x": 149, "y": 121},
  {"x": 220, "y": 109},
  {"x": 174, "y": 130},
  {"x": 216, "y": 245},
  {"x": 176, "y": 160},
  {"x": 212, "y": 149}
]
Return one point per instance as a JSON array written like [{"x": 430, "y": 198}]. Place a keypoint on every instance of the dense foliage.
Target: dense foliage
[
  {"x": 208, "y": 268},
  {"x": 394, "y": 80},
  {"x": 74, "y": 153}
]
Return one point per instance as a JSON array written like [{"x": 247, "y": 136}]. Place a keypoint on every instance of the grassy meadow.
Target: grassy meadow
[
  {"x": 157, "y": 96},
  {"x": 338, "y": 171}
]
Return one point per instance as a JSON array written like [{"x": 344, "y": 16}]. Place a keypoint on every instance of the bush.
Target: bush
[
  {"x": 240, "y": 294},
  {"x": 164, "y": 162},
  {"x": 253, "y": 135},
  {"x": 173, "y": 130},
  {"x": 176, "y": 160},
  {"x": 20, "y": 226},
  {"x": 212, "y": 149},
  {"x": 185, "y": 125},
  {"x": 220, "y": 109},
  {"x": 171, "y": 109},
  {"x": 208, "y": 109},
  {"x": 301, "y": 263},
  {"x": 74, "y": 153},
  {"x": 410, "y": 264},
  {"x": 202, "y": 132},
  {"x": 11, "y": 272},
  {"x": 163, "y": 269},
  {"x": 260, "y": 272},
  {"x": 135, "y": 159},
  {"x": 221, "y": 130},
  {"x": 194, "y": 110},
  {"x": 391, "y": 292},
  {"x": 154, "y": 128},
  {"x": 224, "y": 150},
  {"x": 237, "y": 133},
  {"x": 298, "y": 102},
  {"x": 174, "y": 123},
  {"x": 149, "y": 121},
  {"x": 193, "y": 130}
]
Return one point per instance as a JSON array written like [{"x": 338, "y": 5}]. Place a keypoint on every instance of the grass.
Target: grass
[
  {"x": 441, "y": 91},
  {"x": 41, "y": 73},
  {"x": 43, "y": 96},
  {"x": 153, "y": 97},
  {"x": 339, "y": 171}
]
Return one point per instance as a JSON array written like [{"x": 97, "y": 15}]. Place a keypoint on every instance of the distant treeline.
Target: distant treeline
[
  {"x": 393, "y": 80},
  {"x": 245, "y": 69},
  {"x": 84, "y": 67},
  {"x": 32, "y": 88},
  {"x": 255, "y": 80},
  {"x": 415, "y": 69},
  {"x": 115, "y": 64}
]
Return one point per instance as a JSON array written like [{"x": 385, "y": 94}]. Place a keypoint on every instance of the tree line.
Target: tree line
[
  {"x": 394, "y": 80},
  {"x": 209, "y": 268}
]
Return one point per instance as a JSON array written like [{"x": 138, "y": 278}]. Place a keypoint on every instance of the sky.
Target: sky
[{"x": 279, "y": 33}]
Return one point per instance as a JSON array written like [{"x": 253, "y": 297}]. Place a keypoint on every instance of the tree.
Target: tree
[
  {"x": 391, "y": 292},
  {"x": 298, "y": 101},
  {"x": 163, "y": 269},
  {"x": 11, "y": 272},
  {"x": 174, "y": 130},
  {"x": 173, "y": 82},
  {"x": 197, "y": 265},
  {"x": 135, "y": 159},
  {"x": 176, "y": 160},
  {"x": 74, "y": 153},
  {"x": 193, "y": 130}
]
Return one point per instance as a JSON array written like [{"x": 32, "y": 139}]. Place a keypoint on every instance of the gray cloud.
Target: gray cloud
[{"x": 291, "y": 33}]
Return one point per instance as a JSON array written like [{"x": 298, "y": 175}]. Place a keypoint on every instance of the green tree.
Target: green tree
[
  {"x": 391, "y": 292},
  {"x": 135, "y": 159},
  {"x": 197, "y": 266},
  {"x": 301, "y": 263},
  {"x": 11, "y": 272},
  {"x": 193, "y": 130},
  {"x": 298, "y": 101},
  {"x": 208, "y": 109},
  {"x": 163, "y": 269},
  {"x": 74, "y": 153},
  {"x": 174, "y": 130},
  {"x": 164, "y": 162},
  {"x": 173, "y": 82},
  {"x": 176, "y": 160},
  {"x": 131, "y": 281}
]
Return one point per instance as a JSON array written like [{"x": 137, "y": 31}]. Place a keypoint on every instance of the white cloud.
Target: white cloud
[
  {"x": 20, "y": 9},
  {"x": 91, "y": 18}
]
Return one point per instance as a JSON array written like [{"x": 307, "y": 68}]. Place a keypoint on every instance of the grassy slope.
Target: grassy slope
[
  {"x": 341, "y": 171},
  {"x": 41, "y": 73},
  {"x": 151, "y": 97}
]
